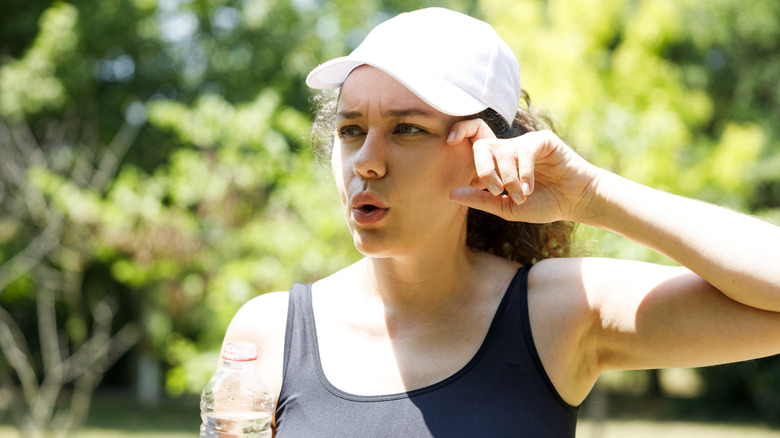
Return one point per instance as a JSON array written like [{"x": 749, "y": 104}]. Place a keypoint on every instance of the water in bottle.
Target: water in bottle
[{"x": 236, "y": 403}]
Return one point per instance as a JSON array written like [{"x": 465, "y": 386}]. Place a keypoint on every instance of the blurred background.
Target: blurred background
[{"x": 155, "y": 175}]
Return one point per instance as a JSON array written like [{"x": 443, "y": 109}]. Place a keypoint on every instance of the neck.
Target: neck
[{"x": 423, "y": 283}]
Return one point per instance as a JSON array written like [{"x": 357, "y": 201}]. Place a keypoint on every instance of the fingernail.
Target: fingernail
[
  {"x": 492, "y": 188},
  {"x": 451, "y": 136},
  {"x": 516, "y": 197},
  {"x": 526, "y": 189}
]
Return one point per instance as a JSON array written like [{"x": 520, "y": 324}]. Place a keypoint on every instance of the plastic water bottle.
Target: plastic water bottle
[{"x": 236, "y": 403}]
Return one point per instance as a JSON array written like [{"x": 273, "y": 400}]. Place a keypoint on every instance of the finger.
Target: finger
[
  {"x": 506, "y": 160},
  {"x": 485, "y": 164},
  {"x": 479, "y": 199},
  {"x": 472, "y": 130},
  {"x": 532, "y": 147},
  {"x": 526, "y": 162},
  {"x": 477, "y": 132}
]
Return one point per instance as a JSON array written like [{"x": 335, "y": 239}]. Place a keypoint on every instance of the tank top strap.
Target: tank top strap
[
  {"x": 299, "y": 341},
  {"x": 518, "y": 323}
]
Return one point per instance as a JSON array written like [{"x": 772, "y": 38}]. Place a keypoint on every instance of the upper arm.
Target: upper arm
[
  {"x": 263, "y": 321},
  {"x": 653, "y": 316},
  {"x": 590, "y": 315}
]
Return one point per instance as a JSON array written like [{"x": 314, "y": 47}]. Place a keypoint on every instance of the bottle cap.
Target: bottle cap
[{"x": 239, "y": 351}]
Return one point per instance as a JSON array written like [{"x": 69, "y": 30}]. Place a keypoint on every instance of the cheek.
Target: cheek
[
  {"x": 440, "y": 178},
  {"x": 459, "y": 170},
  {"x": 337, "y": 166}
]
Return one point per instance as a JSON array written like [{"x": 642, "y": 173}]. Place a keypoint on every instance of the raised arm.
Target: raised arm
[
  {"x": 721, "y": 306},
  {"x": 546, "y": 181},
  {"x": 736, "y": 253}
]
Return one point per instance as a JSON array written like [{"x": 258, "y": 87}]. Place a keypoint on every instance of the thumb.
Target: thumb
[
  {"x": 483, "y": 200},
  {"x": 469, "y": 196}
]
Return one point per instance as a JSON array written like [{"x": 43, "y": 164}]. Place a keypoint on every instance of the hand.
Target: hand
[{"x": 532, "y": 178}]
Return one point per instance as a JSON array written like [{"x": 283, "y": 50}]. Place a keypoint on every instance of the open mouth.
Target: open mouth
[
  {"x": 368, "y": 208},
  {"x": 368, "y": 214}
]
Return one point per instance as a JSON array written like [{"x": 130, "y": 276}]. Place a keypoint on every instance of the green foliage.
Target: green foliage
[
  {"x": 32, "y": 84},
  {"x": 235, "y": 216},
  {"x": 744, "y": 390}
]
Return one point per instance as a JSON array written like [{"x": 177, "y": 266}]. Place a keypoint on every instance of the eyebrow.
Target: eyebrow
[
  {"x": 393, "y": 113},
  {"x": 401, "y": 113},
  {"x": 348, "y": 115}
]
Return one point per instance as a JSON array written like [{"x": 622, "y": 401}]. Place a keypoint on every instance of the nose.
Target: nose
[{"x": 370, "y": 161}]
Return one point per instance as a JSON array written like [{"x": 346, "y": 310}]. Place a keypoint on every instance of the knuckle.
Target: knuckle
[
  {"x": 480, "y": 145},
  {"x": 525, "y": 164},
  {"x": 485, "y": 173},
  {"x": 484, "y": 143},
  {"x": 512, "y": 181},
  {"x": 505, "y": 153},
  {"x": 545, "y": 136}
]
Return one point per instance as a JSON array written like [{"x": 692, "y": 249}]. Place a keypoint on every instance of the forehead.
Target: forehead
[{"x": 368, "y": 87}]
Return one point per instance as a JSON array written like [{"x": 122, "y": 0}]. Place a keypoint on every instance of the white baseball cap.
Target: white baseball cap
[{"x": 455, "y": 63}]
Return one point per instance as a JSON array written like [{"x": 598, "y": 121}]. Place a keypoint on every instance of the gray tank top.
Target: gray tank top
[{"x": 502, "y": 392}]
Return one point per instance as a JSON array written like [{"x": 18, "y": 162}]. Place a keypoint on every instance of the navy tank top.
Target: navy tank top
[{"x": 503, "y": 391}]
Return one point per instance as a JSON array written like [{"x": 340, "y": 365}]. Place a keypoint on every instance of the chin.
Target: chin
[
  {"x": 378, "y": 247},
  {"x": 372, "y": 250}
]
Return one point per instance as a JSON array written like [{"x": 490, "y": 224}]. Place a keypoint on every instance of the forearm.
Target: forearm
[{"x": 737, "y": 254}]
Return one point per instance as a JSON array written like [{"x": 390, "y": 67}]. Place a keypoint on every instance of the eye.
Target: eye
[
  {"x": 349, "y": 131},
  {"x": 407, "y": 129}
]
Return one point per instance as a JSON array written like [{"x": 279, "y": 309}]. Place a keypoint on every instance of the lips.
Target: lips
[{"x": 368, "y": 208}]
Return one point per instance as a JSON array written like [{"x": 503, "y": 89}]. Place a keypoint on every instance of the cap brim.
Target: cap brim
[
  {"x": 435, "y": 91},
  {"x": 333, "y": 73}
]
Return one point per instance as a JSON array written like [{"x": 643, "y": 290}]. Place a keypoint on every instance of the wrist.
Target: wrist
[
  {"x": 625, "y": 207},
  {"x": 593, "y": 203}
]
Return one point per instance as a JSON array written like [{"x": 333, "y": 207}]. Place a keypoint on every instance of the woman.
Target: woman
[{"x": 461, "y": 320}]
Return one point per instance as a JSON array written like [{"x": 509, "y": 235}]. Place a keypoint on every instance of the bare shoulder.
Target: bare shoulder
[
  {"x": 557, "y": 292},
  {"x": 576, "y": 303},
  {"x": 555, "y": 270},
  {"x": 562, "y": 320},
  {"x": 558, "y": 283},
  {"x": 578, "y": 290},
  {"x": 598, "y": 276},
  {"x": 261, "y": 320}
]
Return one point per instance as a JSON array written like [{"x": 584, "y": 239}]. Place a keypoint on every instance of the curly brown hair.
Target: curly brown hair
[{"x": 518, "y": 241}]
